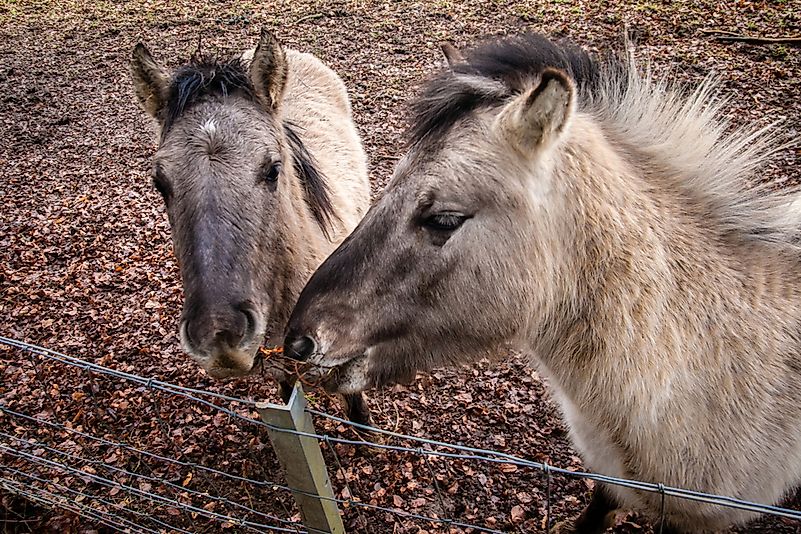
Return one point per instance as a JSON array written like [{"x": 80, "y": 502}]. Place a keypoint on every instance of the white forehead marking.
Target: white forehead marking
[{"x": 209, "y": 128}]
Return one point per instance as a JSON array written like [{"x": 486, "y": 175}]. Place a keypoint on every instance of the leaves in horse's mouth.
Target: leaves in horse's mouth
[
  {"x": 267, "y": 353},
  {"x": 307, "y": 373}
]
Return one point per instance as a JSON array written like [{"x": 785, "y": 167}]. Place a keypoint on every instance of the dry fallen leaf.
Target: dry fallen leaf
[
  {"x": 517, "y": 514},
  {"x": 508, "y": 468}
]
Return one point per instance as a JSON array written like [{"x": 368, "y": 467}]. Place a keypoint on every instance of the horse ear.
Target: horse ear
[
  {"x": 452, "y": 54},
  {"x": 150, "y": 80},
  {"x": 268, "y": 69},
  {"x": 537, "y": 117}
]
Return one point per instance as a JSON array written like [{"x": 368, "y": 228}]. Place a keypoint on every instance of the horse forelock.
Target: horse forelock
[{"x": 205, "y": 76}]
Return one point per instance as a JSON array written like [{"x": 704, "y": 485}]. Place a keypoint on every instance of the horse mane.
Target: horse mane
[
  {"x": 315, "y": 187},
  {"x": 671, "y": 134},
  {"x": 492, "y": 74},
  {"x": 207, "y": 76}
]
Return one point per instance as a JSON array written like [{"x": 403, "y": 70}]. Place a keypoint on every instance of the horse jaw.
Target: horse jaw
[{"x": 352, "y": 376}]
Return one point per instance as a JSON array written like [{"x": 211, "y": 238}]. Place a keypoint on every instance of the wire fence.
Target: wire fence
[{"x": 79, "y": 461}]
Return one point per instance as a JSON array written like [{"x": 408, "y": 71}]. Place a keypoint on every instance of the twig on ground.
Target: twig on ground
[
  {"x": 309, "y": 17},
  {"x": 709, "y": 31},
  {"x": 397, "y": 418},
  {"x": 792, "y": 41},
  {"x": 731, "y": 37}
]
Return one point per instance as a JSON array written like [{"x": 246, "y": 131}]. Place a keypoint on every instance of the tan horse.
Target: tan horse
[
  {"x": 605, "y": 224},
  {"x": 263, "y": 174}
]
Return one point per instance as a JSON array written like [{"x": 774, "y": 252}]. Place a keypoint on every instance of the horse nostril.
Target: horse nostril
[
  {"x": 250, "y": 316},
  {"x": 240, "y": 328},
  {"x": 299, "y": 348},
  {"x": 220, "y": 328}
]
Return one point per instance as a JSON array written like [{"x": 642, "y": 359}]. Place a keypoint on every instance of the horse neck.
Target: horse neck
[{"x": 649, "y": 287}]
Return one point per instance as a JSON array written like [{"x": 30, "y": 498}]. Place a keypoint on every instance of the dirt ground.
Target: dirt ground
[{"x": 86, "y": 266}]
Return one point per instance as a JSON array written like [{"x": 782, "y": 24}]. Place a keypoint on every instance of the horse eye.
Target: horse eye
[
  {"x": 271, "y": 173},
  {"x": 446, "y": 221}
]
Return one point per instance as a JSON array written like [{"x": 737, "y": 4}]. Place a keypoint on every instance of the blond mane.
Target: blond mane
[{"x": 685, "y": 137}]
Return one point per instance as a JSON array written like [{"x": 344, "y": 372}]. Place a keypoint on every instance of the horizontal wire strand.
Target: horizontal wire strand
[
  {"x": 17, "y": 488},
  {"x": 349, "y": 502},
  {"x": 127, "y": 447},
  {"x": 142, "y": 494},
  {"x": 95, "y": 498},
  {"x": 478, "y": 454},
  {"x": 150, "y": 478}
]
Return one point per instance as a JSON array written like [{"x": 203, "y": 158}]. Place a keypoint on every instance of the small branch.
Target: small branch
[
  {"x": 309, "y": 17},
  {"x": 731, "y": 37},
  {"x": 792, "y": 41},
  {"x": 715, "y": 30}
]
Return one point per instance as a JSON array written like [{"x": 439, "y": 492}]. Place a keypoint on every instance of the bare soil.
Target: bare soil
[{"x": 86, "y": 266}]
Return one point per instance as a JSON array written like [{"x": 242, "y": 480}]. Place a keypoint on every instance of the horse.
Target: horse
[
  {"x": 613, "y": 227},
  {"x": 263, "y": 174}
]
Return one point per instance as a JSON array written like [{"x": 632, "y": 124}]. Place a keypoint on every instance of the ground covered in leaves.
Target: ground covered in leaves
[{"x": 86, "y": 266}]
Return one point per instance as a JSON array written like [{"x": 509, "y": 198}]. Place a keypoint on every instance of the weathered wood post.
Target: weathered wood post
[{"x": 302, "y": 460}]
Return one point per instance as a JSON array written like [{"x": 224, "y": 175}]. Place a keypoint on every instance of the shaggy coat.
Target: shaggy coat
[{"x": 610, "y": 226}]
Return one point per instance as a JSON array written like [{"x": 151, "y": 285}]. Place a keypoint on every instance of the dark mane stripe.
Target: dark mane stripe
[
  {"x": 314, "y": 185},
  {"x": 204, "y": 76},
  {"x": 511, "y": 63}
]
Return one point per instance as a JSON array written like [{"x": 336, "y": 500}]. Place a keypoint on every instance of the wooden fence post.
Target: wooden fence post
[{"x": 302, "y": 460}]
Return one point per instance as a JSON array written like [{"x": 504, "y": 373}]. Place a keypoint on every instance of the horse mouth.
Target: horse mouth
[
  {"x": 361, "y": 373},
  {"x": 270, "y": 362},
  {"x": 223, "y": 373},
  {"x": 351, "y": 376},
  {"x": 274, "y": 363}
]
